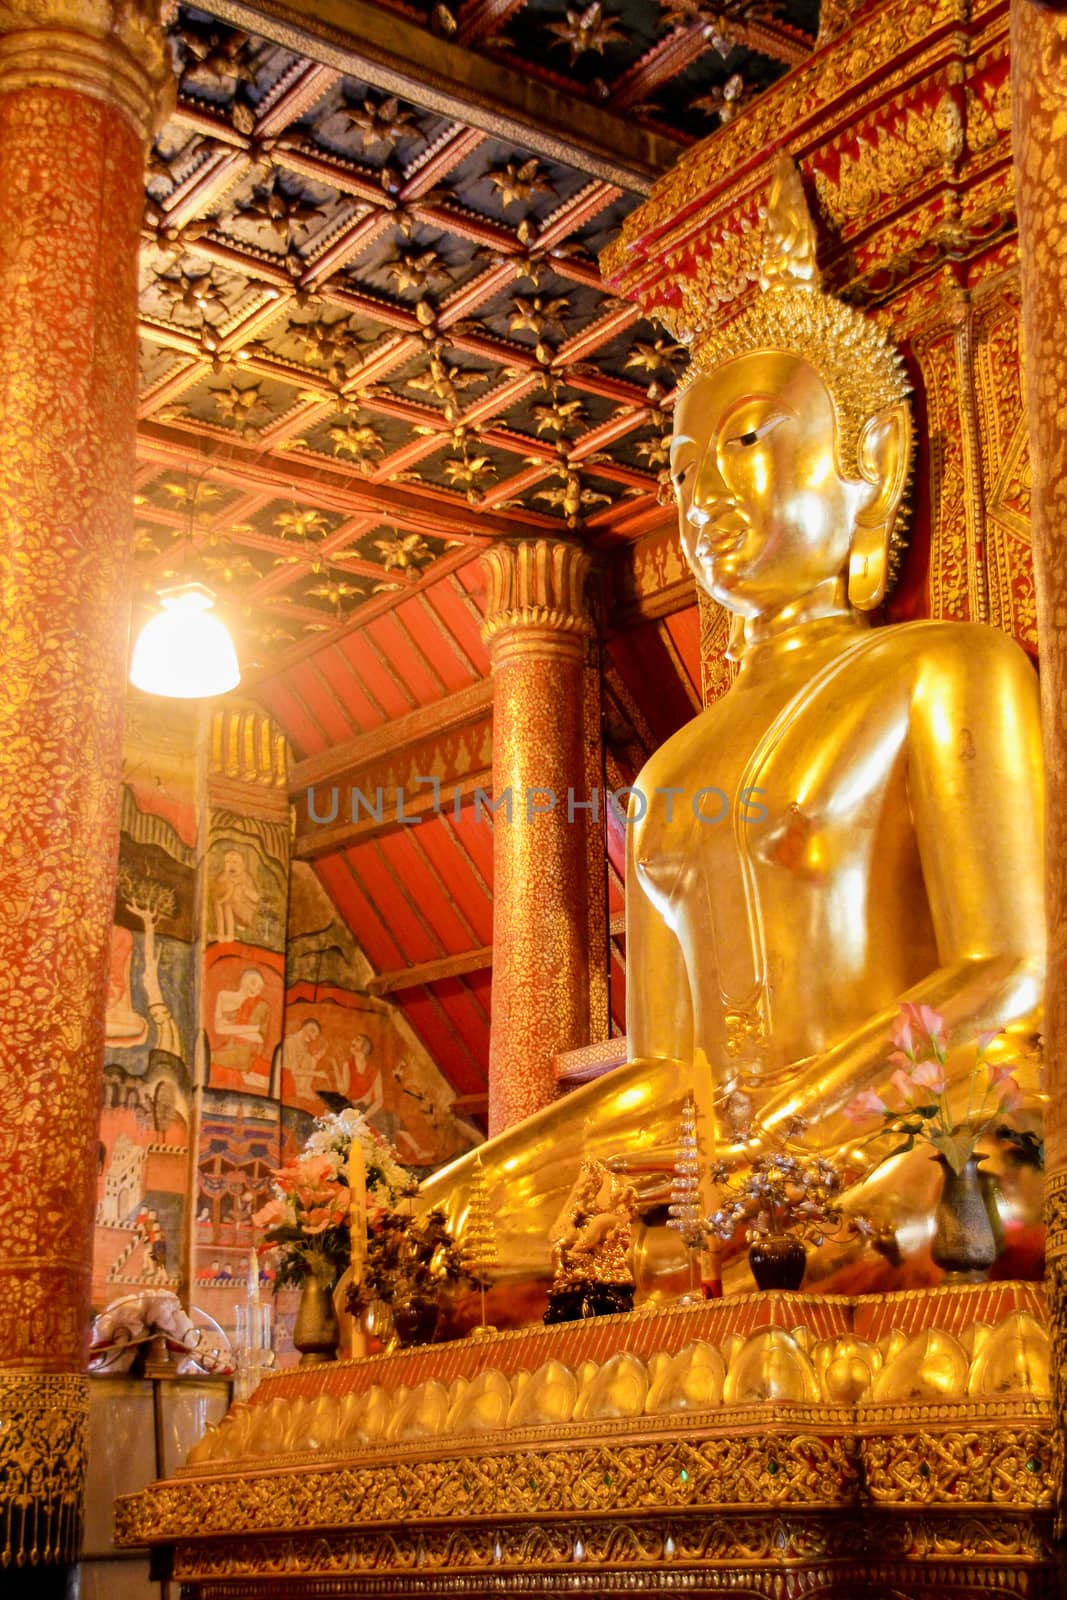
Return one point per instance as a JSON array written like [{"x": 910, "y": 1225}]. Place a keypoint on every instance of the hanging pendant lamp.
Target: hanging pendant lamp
[{"x": 184, "y": 652}]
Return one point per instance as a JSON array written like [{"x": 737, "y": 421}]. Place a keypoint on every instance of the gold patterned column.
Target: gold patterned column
[
  {"x": 536, "y": 626},
  {"x": 80, "y": 84},
  {"x": 1039, "y": 76}
]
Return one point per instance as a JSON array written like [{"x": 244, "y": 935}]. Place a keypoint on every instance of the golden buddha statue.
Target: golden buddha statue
[
  {"x": 872, "y": 832},
  {"x": 855, "y": 823}
]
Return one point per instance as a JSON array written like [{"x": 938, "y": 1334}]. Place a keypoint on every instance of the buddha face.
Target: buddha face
[{"x": 765, "y": 516}]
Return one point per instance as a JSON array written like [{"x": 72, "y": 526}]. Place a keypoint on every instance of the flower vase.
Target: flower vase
[
  {"x": 778, "y": 1261},
  {"x": 964, "y": 1245},
  {"x": 316, "y": 1331}
]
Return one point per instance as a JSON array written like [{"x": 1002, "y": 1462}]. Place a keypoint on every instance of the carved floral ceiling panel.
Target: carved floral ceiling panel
[{"x": 373, "y": 336}]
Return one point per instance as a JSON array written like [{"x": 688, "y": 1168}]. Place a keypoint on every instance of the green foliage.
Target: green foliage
[{"x": 409, "y": 1258}]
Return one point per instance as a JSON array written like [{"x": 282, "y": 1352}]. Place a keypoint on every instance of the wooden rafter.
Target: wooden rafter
[
  {"x": 431, "y": 971},
  {"x": 400, "y": 811}
]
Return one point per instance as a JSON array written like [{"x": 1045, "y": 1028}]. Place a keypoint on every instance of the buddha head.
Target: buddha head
[{"x": 792, "y": 440}]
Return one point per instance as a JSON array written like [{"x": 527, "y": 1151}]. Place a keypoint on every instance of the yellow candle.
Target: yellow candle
[{"x": 357, "y": 1227}]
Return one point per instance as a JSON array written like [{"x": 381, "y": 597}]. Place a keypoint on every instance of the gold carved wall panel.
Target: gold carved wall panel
[{"x": 1006, "y": 464}]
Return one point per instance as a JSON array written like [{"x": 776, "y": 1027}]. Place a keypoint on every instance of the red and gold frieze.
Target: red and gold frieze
[
  {"x": 1006, "y": 476},
  {"x": 878, "y": 122},
  {"x": 651, "y": 577},
  {"x": 433, "y": 775}
]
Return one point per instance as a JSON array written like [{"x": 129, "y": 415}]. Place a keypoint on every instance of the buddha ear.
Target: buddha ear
[{"x": 884, "y": 455}]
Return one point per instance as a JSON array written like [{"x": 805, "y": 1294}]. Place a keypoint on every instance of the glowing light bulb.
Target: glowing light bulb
[{"x": 183, "y": 652}]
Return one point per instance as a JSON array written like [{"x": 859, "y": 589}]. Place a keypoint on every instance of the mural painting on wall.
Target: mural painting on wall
[
  {"x": 345, "y": 1044},
  {"x": 244, "y": 997},
  {"x": 342, "y": 1042},
  {"x": 240, "y": 1146},
  {"x": 146, "y": 1112},
  {"x": 247, "y": 880}
]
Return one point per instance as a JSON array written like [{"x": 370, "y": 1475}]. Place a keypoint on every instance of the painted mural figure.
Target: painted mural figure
[
  {"x": 153, "y": 1248},
  {"x": 124, "y": 1028},
  {"x": 304, "y": 1061},
  {"x": 235, "y": 896},
  {"x": 242, "y": 1020},
  {"x": 363, "y": 1081}
]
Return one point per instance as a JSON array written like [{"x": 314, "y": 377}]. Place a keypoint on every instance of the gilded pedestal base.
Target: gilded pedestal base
[{"x": 729, "y": 1448}]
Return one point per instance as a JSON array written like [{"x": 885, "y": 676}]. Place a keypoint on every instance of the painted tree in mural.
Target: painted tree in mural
[
  {"x": 478, "y": 1243},
  {"x": 145, "y": 897},
  {"x": 684, "y": 1209}
]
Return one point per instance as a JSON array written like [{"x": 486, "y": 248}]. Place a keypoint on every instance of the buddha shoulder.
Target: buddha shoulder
[
  {"x": 926, "y": 669},
  {"x": 971, "y": 658}
]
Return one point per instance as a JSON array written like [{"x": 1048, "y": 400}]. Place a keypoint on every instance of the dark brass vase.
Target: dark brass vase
[
  {"x": 316, "y": 1331},
  {"x": 415, "y": 1320},
  {"x": 777, "y": 1261},
  {"x": 964, "y": 1244}
]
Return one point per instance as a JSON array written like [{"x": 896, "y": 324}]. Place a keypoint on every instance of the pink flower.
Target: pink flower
[
  {"x": 986, "y": 1039},
  {"x": 929, "y": 1075},
  {"x": 901, "y": 1082},
  {"x": 310, "y": 1198},
  {"x": 315, "y": 1170},
  {"x": 274, "y": 1212},
  {"x": 1009, "y": 1095},
  {"x": 310, "y": 1172},
  {"x": 900, "y": 1036},
  {"x": 862, "y": 1107},
  {"x": 925, "y": 1020},
  {"x": 320, "y": 1218}
]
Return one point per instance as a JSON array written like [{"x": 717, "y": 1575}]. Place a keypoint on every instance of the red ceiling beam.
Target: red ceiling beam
[{"x": 327, "y": 839}]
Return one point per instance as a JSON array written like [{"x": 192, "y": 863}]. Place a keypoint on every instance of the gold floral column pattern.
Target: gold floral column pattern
[
  {"x": 537, "y": 626},
  {"x": 80, "y": 84},
  {"x": 1039, "y": 77}
]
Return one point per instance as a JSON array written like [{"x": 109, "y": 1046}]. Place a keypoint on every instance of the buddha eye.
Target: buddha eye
[{"x": 745, "y": 441}]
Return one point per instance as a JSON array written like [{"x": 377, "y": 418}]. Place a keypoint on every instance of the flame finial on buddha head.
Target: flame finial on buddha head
[
  {"x": 790, "y": 258},
  {"x": 862, "y": 371}
]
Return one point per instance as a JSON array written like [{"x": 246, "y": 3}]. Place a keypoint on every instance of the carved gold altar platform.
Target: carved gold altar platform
[{"x": 772, "y": 1445}]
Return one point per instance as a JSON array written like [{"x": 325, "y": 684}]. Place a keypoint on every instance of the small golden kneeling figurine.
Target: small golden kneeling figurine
[{"x": 591, "y": 1247}]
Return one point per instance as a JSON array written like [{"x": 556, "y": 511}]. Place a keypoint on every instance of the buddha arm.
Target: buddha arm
[
  {"x": 975, "y": 788},
  {"x": 659, "y": 1010}
]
